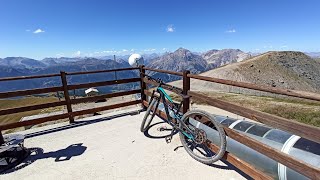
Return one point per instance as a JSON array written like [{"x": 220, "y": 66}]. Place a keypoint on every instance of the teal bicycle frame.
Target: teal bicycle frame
[{"x": 177, "y": 116}]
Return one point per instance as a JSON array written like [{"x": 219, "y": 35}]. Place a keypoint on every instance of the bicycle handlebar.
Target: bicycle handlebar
[{"x": 158, "y": 80}]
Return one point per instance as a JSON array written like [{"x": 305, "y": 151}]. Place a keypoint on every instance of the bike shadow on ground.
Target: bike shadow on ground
[
  {"x": 226, "y": 166},
  {"x": 59, "y": 156},
  {"x": 151, "y": 131},
  {"x": 156, "y": 127}
]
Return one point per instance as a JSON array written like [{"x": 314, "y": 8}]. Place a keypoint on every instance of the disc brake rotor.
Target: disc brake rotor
[{"x": 201, "y": 136}]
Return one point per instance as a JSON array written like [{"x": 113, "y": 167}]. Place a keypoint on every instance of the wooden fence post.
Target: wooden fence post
[
  {"x": 1, "y": 138},
  {"x": 66, "y": 95},
  {"x": 186, "y": 88},
  {"x": 143, "y": 85}
]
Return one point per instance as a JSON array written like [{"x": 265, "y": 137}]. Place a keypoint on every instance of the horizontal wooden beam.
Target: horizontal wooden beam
[
  {"x": 31, "y": 108},
  {"x": 164, "y": 71},
  {"x": 288, "y": 92},
  {"x": 28, "y": 77},
  {"x": 104, "y": 108},
  {"x": 101, "y": 71},
  {"x": 165, "y": 86},
  {"x": 297, "y": 128},
  {"x": 285, "y": 159},
  {"x": 102, "y": 83},
  {"x": 30, "y": 92},
  {"x": 33, "y": 122},
  {"x": 111, "y": 95},
  {"x": 238, "y": 163}
]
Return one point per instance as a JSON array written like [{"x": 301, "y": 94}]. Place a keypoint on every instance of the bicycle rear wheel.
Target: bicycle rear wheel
[
  {"x": 198, "y": 146},
  {"x": 149, "y": 115}
]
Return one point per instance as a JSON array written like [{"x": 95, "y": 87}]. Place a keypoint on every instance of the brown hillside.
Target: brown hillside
[{"x": 285, "y": 69}]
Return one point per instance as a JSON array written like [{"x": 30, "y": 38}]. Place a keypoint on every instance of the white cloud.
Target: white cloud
[
  {"x": 38, "y": 31},
  {"x": 170, "y": 28},
  {"x": 284, "y": 47},
  {"x": 132, "y": 50},
  {"x": 231, "y": 31},
  {"x": 77, "y": 54},
  {"x": 59, "y": 55},
  {"x": 149, "y": 50},
  {"x": 109, "y": 51},
  {"x": 163, "y": 49},
  {"x": 268, "y": 47},
  {"x": 124, "y": 50},
  {"x": 27, "y": 30}
]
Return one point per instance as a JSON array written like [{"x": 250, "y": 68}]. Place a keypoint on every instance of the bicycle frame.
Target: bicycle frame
[{"x": 177, "y": 116}]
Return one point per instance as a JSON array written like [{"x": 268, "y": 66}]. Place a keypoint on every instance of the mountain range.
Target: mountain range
[
  {"x": 288, "y": 69},
  {"x": 183, "y": 59},
  {"x": 11, "y": 67},
  {"x": 178, "y": 60}
]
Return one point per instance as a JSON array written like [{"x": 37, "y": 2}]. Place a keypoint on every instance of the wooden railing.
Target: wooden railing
[
  {"x": 68, "y": 102},
  {"x": 306, "y": 131}
]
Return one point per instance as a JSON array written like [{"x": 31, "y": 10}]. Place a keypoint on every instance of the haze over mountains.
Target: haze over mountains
[{"x": 293, "y": 70}]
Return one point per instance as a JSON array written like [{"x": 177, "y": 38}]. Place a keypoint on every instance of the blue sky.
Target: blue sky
[{"x": 43, "y": 28}]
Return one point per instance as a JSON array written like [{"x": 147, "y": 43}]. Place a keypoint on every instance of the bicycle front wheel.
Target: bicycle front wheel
[
  {"x": 198, "y": 146},
  {"x": 150, "y": 113}
]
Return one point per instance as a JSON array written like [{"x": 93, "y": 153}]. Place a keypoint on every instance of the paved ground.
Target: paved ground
[{"x": 110, "y": 147}]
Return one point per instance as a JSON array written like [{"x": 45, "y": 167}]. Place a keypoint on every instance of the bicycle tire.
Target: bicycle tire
[
  {"x": 145, "y": 124},
  {"x": 219, "y": 128}
]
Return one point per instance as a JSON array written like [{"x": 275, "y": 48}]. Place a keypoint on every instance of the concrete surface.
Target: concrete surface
[{"x": 110, "y": 146}]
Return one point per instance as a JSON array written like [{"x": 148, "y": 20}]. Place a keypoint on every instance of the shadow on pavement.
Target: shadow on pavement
[{"x": 59, "y": 155}]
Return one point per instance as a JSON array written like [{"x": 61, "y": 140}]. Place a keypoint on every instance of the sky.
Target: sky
[{"x": 55, "y": 28}]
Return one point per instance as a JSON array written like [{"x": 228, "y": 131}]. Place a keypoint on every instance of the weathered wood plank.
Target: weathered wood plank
[
  {"x": 240, "y": 164},
  {"x": 104, "y": 108},
  {"x": 111, "y": 95},
  {"x": 28, "y": 77},
  {"x": 33, "y": 122},
  {"x": 66, "y": 95},
  {"x": 165, "y": 86},
  {"x": 102, "y": 83},
  {"x": 31, "y": 108},
  {"x": 164, "y": 71},
  {"x": 285, "y": 159},
  {"x": 101, "y": 71},
  {"x": 30, "y": 92},
  {"x": 288, "y": 92},
  {"x": 143, "y": 85},
  {"x": 186, "y": 89}
]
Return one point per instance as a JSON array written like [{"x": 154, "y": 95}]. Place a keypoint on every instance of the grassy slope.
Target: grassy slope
[
  {"x": 304, "y": 111},
  {"x": 9, "y": 103}
]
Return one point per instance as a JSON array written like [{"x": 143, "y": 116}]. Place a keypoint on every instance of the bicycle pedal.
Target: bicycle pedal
[
  {"x": 161, "y": 128},
  {"x": 168, "y": 139}
]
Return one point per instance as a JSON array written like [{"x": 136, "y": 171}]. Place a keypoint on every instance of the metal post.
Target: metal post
[
  {"x": 1, "y": 139},
  {"x": 186, "y": 88},
  {"x": 143, "y": 85},
  {"x": 66, "y": 95}
]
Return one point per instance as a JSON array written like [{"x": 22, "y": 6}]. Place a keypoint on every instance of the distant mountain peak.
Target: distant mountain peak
[{"x": 181, "y": 50}]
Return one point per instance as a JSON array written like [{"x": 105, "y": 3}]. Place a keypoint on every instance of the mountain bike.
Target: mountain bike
[{"x": 193, "y": 139}]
